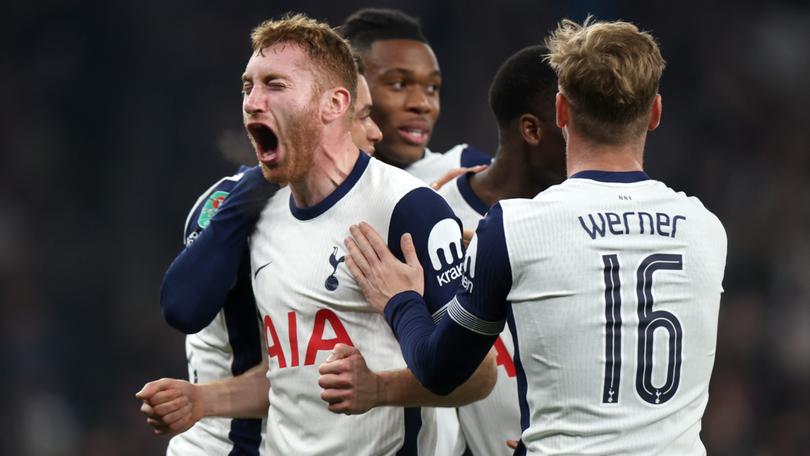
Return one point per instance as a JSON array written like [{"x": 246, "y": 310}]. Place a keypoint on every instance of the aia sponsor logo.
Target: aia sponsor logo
[{"x": 316, "y": 343}]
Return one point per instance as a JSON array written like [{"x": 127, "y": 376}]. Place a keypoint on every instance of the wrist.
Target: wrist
[
  {"x": 204, "y": 398},
  {"x": 382, "y": 398}
]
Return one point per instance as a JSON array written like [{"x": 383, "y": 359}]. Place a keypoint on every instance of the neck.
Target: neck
[
  {"x": 583, "y": 155},
  {"x": 511, "y": 175},
  {"x": 331, "y": 164}
]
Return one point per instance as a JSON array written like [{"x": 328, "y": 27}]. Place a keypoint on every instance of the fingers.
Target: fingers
[
  {"x": 409, "y": 250},
  {"x": 176, "y": 416},
  {"x": 364, "y": 246},
  {"x": 333, "y": 395},
  {"x": 165, "y": 396},
  {"x": 513, "y": 444},
  {"x": 341, "y": 351},
  {"x": 334, "y": 381},
  {"x": 153, "y": 387},
  {"x": 377, "y": 243},
  {"x": 477, "y": 168},
  {"x": 359, "y": 266},
  {"x": 170, "y": 407}
]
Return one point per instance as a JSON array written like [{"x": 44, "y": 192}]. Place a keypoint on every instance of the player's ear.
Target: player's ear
[
  {"x": 563, "y": 110},
  {"x": 530, "y": 129},
  {"x": 656, "y": 112},
  {"x": 335, "y": 103}
]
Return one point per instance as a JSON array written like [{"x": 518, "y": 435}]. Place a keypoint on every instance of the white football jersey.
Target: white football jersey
[
  {"x": 611, "y": 284},
  {"x": 228, "y": 346},
  {"x": 309, "y": 302},
  {"x": 434, "y": 165},
  {"x": 487, "y": 424}
]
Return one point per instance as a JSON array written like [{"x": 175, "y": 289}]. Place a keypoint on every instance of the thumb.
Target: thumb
[
  {"x": 408, "y": 250},
  {"x": 151, "y": 388},
  {"x": 341, "y": 351}
]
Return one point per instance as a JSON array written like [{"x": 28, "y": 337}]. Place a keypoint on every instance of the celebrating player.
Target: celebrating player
[
  {"x": 297, "y": 109},
  {"x": 213, "y": 302},
  {"x": 610, "y": 282},
  {"x": 405, "y": 81}
]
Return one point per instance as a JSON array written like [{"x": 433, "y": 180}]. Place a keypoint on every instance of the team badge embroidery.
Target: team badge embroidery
[
  {"x": 212, "y": 205},
  {"x": 331, "y": 282}
]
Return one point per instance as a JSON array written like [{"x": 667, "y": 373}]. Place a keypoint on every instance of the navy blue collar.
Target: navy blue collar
[
  {"x": 624, "y": 177},
  {"x": 309, "y": 213},
  {"x": 463, "y": 184}
]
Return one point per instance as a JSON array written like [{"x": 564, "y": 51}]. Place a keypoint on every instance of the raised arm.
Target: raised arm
[{"x": 198, "y": 281}]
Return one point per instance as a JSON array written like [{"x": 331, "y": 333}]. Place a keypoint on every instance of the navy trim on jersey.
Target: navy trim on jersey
[
  {"x": 413, "y": 424},
  {"x": 244, "y": 336},
  {"x": 197, "y": 283},
  {"x": 471, "y": 156},
  {"x": 463, "y": 184},
  {"x": 309, "y": 213},
  {"x": 420, "y": 213},
  {"x": 522, "y": 384},
  {"x": 623, "y": 177}
]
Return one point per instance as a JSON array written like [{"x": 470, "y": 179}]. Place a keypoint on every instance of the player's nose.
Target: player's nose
[
  {"x": 373, "y": 133},
  {"x": 254, "y": 102},
  {"x": 418, "y": 101}
]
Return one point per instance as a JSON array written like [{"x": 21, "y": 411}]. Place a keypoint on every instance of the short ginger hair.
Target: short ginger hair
[
  {"x": 328, "y": 50},
  {"x": 609, "y": 73}
]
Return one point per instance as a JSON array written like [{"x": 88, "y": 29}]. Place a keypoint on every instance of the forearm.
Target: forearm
[
  {"x": 441, "y": 357},
  {"x": 401, "y": 388},
  {"x": 244, "y": 396}
]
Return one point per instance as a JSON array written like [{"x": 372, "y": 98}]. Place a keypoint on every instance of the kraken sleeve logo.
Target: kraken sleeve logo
[
  {"x": 444, "y": 248},
  {"x": 444, "y": 244},
  {"x": 331, "y": 282}
]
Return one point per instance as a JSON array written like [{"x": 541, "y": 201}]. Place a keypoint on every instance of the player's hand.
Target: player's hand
[
  {"x": 171, "y": 406},
  {"x": 378, "y": 272},
  {"x": 348, "y": 385},
  {"x": 454, "y": 173},
  {"x": 513, "y": 444},
  {"x": 466, "y": 237}
]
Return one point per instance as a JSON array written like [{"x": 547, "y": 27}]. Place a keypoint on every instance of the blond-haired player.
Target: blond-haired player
[
  {"x": 610, "y": 282},
  {"x": 297, "y": 108}
]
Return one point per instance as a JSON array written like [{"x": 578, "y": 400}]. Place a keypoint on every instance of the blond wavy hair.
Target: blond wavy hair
[
  {"x": 609, "y": 72},
  {"x": 328, "y": 50}
]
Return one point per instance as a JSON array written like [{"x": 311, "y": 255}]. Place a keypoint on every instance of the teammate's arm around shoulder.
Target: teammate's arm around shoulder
[
  {"x": 442, "y": 356},
  {"x": 197, "y": 282},
  {"x": 423, "y": 230}
]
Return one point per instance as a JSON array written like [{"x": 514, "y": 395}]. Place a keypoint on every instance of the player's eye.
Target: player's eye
[
  {"x": 433, "y": 88},
  {"x": 397, "y": 85},
  {"x": 246, "y": 88}
]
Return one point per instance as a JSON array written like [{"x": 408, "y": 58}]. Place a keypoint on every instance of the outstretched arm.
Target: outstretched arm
[
  {"x": 351, "y": 388},
  {"x": 172, "y": 406},
  {"x": 198, "y": 281}
]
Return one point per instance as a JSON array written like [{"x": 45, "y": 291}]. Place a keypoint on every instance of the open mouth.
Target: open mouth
[
  {"x": 265, "y": 140},
  {"x": 415, "y": 136}
]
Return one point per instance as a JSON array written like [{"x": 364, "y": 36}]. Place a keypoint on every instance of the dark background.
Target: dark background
[{"x": 116, "y": 115}]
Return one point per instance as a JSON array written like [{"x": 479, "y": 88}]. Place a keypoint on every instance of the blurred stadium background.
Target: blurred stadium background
[{"x": 116, "y": 115}]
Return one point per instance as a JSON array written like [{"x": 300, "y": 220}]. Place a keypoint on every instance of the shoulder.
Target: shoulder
[{"x": 209, "y": 202}]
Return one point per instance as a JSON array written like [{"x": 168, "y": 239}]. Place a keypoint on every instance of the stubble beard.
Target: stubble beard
[{"x": 299, "y": 146}]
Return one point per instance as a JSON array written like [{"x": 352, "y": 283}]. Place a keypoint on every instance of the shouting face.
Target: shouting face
[{"x": 280, "y": 110}]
